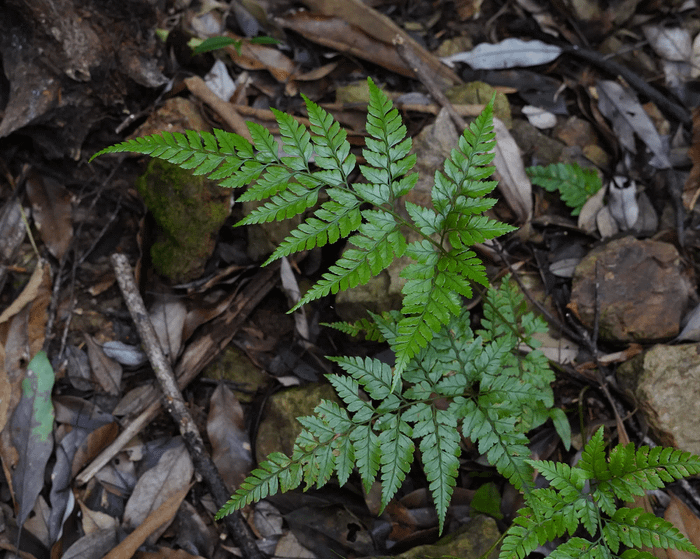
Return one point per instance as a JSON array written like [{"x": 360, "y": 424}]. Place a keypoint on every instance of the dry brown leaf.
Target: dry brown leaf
[
  {"x": 168, "y": 318},
  {"x": 95, "y": 520},
  {"x": 261, "y": 57},
  {"x": 378, "y": 26},
  {"x": 168, "y": 477},
  {"x": 107, "y": 371},
  {"x": 52, "y": 211},
  {"x": 514, "y": 182},
  {"x": 154, "y": 523},
  {"x": 229, "y": 437},
  {"x": 687, "y": 522},
  {"x": 97, "y": 440}
]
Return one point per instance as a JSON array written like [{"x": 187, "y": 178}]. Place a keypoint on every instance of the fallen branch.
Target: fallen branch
[{"x": 172, "y": 399}]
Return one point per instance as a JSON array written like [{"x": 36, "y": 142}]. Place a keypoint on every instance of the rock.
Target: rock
[
  {"x": 189, "y": 210},
  {"x": 471, "y": 541},
  {"x": 642, "y": 290},
  {"x": 279, "y": 427},
  {"x": 481, "y": 93},
  {"x": 665, "y": 383},
  {"x": 234, "y": 365}
]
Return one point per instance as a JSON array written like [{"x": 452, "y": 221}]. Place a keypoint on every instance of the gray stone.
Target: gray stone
[{"x": 665, "y": 384}]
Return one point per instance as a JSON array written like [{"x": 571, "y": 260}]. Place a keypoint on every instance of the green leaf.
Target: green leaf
[
  {"x": 396, "y": 456},
  {"x": 216, "y": 43},
  {"x": 575, "y": 184},
  {"x": 487, "y": 499}
]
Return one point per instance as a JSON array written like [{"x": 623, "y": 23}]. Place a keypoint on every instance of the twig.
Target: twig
[
  {"x": 427, "y": 79},
  {"x": 225, "y": 110},
  {"x": 175, "y": 405}
]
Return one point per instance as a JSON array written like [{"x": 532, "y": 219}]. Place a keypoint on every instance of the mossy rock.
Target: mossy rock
[
  {"x": 480, "y": 93},
  {"x": 189, "y": 211}
]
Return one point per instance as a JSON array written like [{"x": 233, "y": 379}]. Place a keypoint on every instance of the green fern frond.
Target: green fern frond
[
  {"x": 364, "y": 326},
  {"x": 637, "y": 528},
  {"x": 575, "y": 184},
  {"x": 378, "y": 241},
  {"x": 396, "y": 455},
  {"x": 277, "y": 473},
  {"x": 202, "y": 152}
]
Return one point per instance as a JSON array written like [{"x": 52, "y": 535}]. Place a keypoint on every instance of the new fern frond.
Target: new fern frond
[{"x": 584, "y": 497}]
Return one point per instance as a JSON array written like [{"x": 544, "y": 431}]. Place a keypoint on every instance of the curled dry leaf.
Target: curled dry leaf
[
  {"x": 509, "y": 53},
  {"x": 168, "y": 318}
]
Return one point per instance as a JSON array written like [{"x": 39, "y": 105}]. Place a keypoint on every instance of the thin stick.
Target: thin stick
[
  {"x": 175, "y": 405},
  {"x": 224, "y": 109}
]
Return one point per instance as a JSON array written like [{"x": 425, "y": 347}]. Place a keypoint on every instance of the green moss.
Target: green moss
[{"x": 189, "y": 211}]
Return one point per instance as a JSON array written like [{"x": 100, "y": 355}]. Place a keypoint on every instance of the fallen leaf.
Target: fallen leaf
[
  {"x": 168, "y": 318},
  {"x": 678, "y": 514},
  {"x": 32, "y": 433},
  {"x": 93, "y": 520},
  {"x": 509, "y": 53},
  {"x": 153, "y": 525},
  {"x": 52, "y": 211},
  {"x": 169, "y": 477},
  {"x": 621, "y": 107},
  {"x": 623, "y": 202},
  {"x": 107, "y": 371},
  {"x": 93, "y": 545},
  {"x": 514, "y": 182},
  {"x": 229, "y": 437}
]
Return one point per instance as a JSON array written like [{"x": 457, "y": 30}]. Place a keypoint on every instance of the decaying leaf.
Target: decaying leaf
[
  {"x": 32, "y": 433},
  {"x": 229, "y": 437},
  {"x": 168, "y": 318},
  {"x": 169, "y": 477},
  {"x": 678, "y": 514},
  {"x": 107, "y": 371},
  {"x": 514, "y": 182},
  {"x": 51, "y": 207},
  {"x": 621, "y": 107}
]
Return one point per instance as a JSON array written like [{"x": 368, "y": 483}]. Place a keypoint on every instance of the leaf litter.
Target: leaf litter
[{"x": 92, "y": 388}]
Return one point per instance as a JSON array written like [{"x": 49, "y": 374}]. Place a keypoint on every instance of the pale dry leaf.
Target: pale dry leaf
[
  {"x": 695, "y": 58},
  {"x": 587, "y": 216},
  {"x": 219, "y": 81},
  {"x": 125, "y": 354},
  {"x": 509, "y": 53},
  {"x": 169, "y": 477},
  {"x": 94, "y": 520},
  {"x": 670, "y": 43},
  {"x": 291, "y": 289},
  {"x": 107, "y": 371},
  {"x": 94, "y": 545},
  {"x": 229, "y": 437},
  {"x": 133, "y": 401},
  {"x": 539, "y": 118},
  {"x": 152, "y": 526},
  {"x": 607, "y": 226},
  {"x": 168, "y": 317},
  {"x": 514, "y": 182},
  {"x": 628, "y": 117}
]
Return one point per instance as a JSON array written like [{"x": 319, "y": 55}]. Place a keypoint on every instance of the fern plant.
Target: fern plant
[
  {"x": 444, "y": 265},
  {"x": 583, "y": 498},
  {"x": 574, "y": 183},
  {"x": 448, "y": 381},
  {"x": 460, "y": 384}
]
